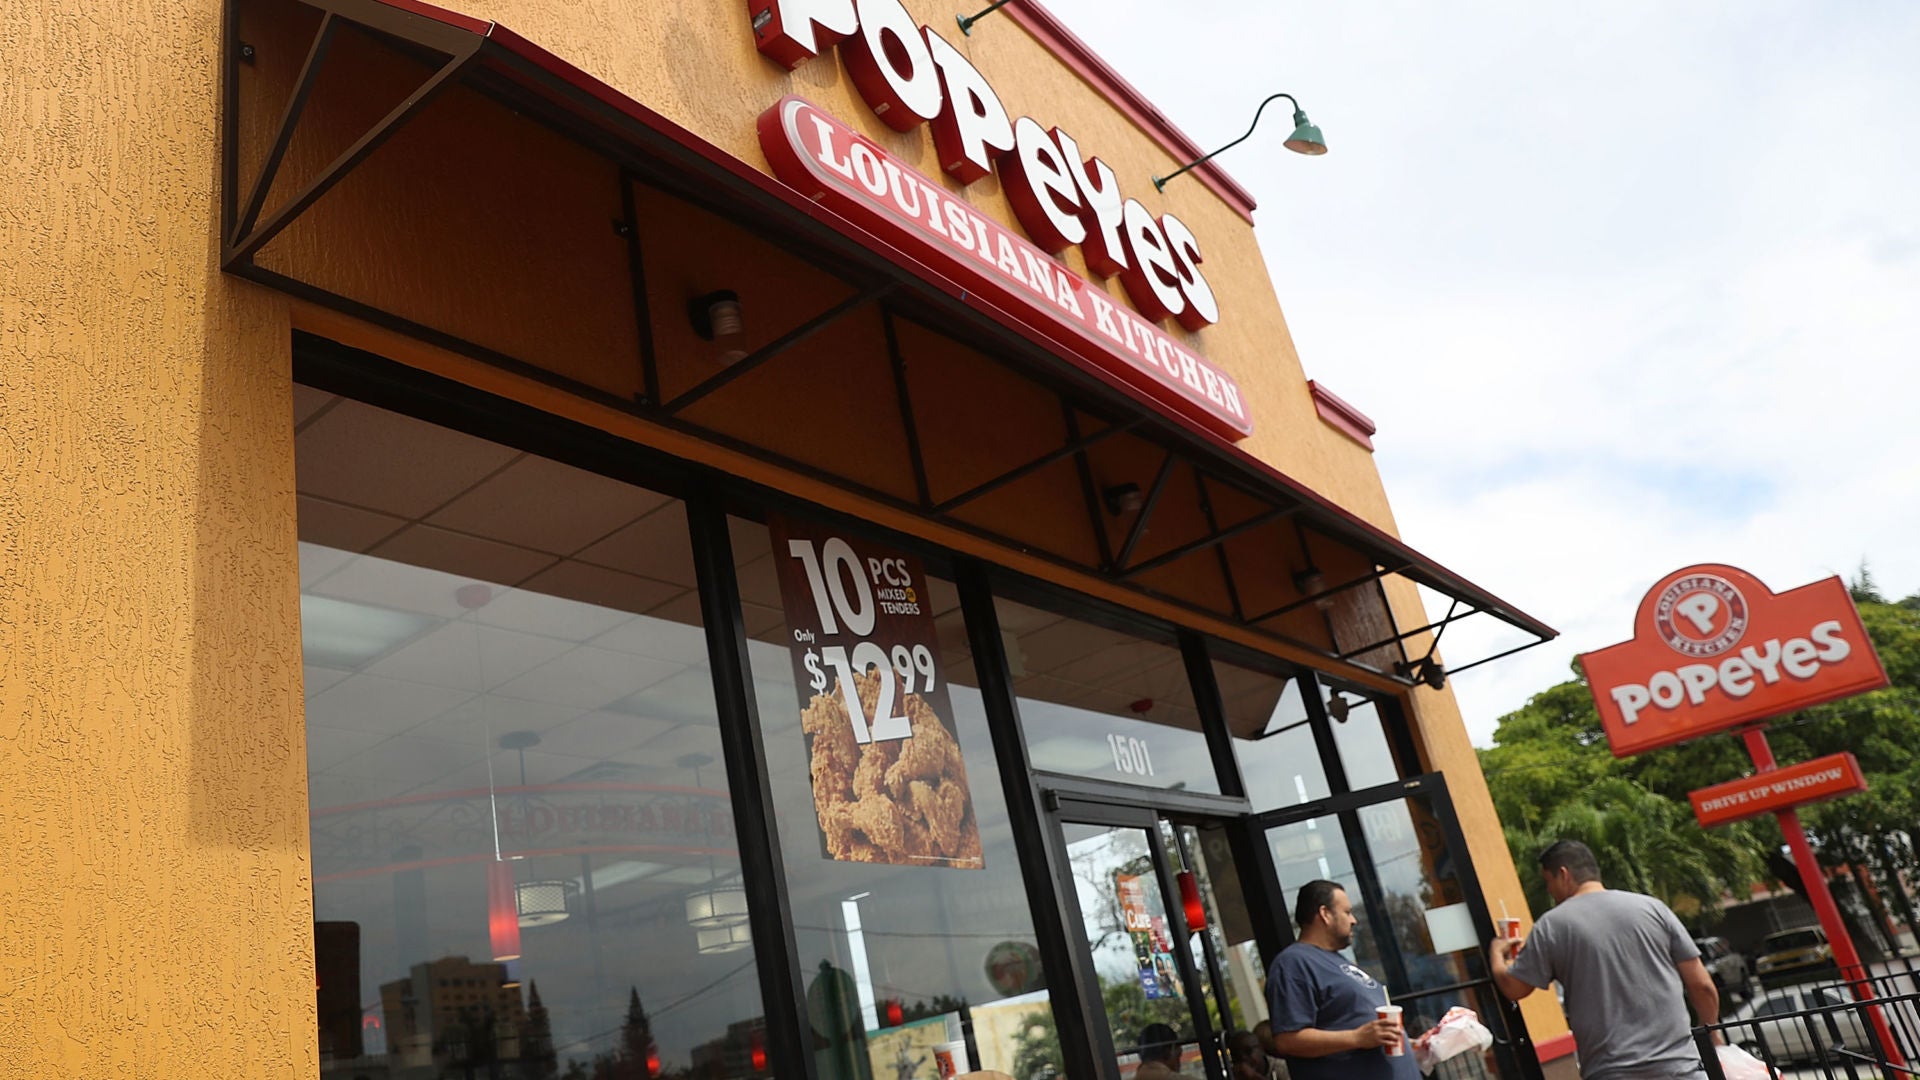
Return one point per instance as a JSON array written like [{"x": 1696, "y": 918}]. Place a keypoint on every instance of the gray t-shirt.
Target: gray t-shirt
[{"x": 1616, "y": 956}]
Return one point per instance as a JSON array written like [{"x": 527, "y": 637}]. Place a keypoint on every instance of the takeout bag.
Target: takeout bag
[
  {"x": 1737, "y": 1064},
  {"x": 1457, "y": 1032}
]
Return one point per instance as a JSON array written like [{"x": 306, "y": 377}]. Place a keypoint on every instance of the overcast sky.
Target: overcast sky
[{"x": 1625, "y": 286}]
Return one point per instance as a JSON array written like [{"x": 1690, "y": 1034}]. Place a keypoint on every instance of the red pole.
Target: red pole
[{"x": 1815, "y": 884}]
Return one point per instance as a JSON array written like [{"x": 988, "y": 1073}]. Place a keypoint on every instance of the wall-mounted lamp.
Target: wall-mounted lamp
[
  {"x": 1339, "y": 707},
  {"x": 716, "y": 317},
  {"x": 1123, "y": 499},
  {"x": 1311, "y": 582},
  {"x": 1426, "y": 670},
  {"x": 1306, "y": 139},
  {"x": 967, "y": 21}
]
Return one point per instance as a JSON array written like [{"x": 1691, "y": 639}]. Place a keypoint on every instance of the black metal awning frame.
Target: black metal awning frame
[{"x": 650, "y": 150}]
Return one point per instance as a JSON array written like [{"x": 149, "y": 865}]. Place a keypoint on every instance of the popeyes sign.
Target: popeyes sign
[
  {"x": 909, "y": 75},
  {"x": 1713, "y": 649}
]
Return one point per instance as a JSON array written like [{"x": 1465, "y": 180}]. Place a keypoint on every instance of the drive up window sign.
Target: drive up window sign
[
  {"x": 1713, "y": 649},
  {"x": 909, "y": 75}
]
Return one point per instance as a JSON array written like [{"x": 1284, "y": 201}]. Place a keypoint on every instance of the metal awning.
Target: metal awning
[{"x": 1281, "y": 561}]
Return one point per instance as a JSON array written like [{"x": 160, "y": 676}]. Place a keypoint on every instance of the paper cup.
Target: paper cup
[
  {"x": 1510, "y": 929},
  {"x": 1392, "y": 1012},
  {"x": 950, "y": 1059}
]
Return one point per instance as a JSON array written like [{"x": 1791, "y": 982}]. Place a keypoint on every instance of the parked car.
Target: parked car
[
  {"x": 1793, "y": 950},
  {"x": 1775, "y": 1023},
  {"x": 1727, "y": 966}
]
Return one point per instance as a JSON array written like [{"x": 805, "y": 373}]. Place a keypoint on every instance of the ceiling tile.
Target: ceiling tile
[
  {"x": 346, "y": 527},
  {"x": 328, "y": 746},
  {"x": 317, "y": 678},
  {"x": 413, "y": 760},
  {"x": 369, "y": 457},
  {"x": 598, "y": 735},
  {"x": 483, "y": 719},
  {"x": 588, "y": 677},
  {"x": 463, "y": 555},
  {"x": 541, "y": 504},
  {"x": 602, "y": 587},
  {"x": 326, "y": 791},
  {"x": 467, "y": 656},
  {"x": 656, "y": 546},
  {"x": 307, "y": 401},
  {"x": 662, "y": 639},
  {"x": 397, "y": 585},
  {"x": 318, "y": 560},
  {"x": 370, "y": 703}
]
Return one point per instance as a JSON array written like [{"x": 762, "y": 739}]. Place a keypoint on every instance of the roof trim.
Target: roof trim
[{"x": 1080, "y": 58}]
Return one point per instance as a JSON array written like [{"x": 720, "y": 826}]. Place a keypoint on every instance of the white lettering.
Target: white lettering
[
  {"x": 1666, "y": 689},
  {"x": 889, "y": 64},
  {"x": 1631, "y": 698},
  {"x": 1202, "y": 309},
  {"x": 1766, "y": 661},
  {"x": 1102, "y": 212},
  {"x": 1151, "y": 281},
  {"x": 1833, "y": 647},
  {"x": 1736, "y": 677},
  {"x": 866, "y": 165},
  {"x": 972, "y": 127},
  {"x": 1040, "y": 186},
  {"x": 794, "y": 30},
  {"x": 1698, "y": 679},
  {"x": 826, "y": 155},
  {"x": 1799, "y": 658},
  {"x": 1039, "y": 271}
]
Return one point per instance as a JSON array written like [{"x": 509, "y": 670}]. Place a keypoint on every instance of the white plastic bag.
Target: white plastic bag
[
  {"x": 1457, "y": 1032},
  {"x": 1740, "y": 1065}
]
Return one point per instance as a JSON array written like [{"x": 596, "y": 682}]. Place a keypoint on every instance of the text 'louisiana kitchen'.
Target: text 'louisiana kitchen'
[
  {"x": 1737, "y": 675},
  {"x": 909, "y": 75}
]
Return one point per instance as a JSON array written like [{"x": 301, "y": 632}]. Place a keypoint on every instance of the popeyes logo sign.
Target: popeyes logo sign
[
  {"x": 909, "y": 75},
  {"x": 1713, "y": 648}
]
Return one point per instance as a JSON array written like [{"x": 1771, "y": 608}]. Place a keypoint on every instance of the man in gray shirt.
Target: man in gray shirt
[{"x": 1626, "y": 965}]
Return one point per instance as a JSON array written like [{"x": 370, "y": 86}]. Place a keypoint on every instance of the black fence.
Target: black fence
[{"x": 1858, "y": 1024}]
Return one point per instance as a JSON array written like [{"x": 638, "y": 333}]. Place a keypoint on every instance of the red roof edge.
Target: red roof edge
[
  {"x": 1341, "y": 415},
  {"x": 1078, "y": 56}
]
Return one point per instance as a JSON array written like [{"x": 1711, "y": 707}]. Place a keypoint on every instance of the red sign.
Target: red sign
[
  {"x": 1713, "y": 648},
  {"x": 843, "y": 169},
  {"x": 1777, "y": 789}
]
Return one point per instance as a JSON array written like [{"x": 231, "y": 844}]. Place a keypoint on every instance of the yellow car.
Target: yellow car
[{"x": 1793, "y": 950}]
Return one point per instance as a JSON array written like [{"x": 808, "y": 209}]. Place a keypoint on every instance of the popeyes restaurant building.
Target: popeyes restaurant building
[{"x": 688, "y": 539}]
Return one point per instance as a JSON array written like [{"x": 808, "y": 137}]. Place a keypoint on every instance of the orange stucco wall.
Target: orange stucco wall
[{"x": 154, "y": 881}]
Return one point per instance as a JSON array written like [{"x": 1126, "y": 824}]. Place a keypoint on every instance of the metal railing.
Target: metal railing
[{"x": 1820, "y": 1028}]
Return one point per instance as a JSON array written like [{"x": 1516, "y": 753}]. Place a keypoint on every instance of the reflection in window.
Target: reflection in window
[
  {"x": 1272, "y": 737},
  {"x": 523, "y": 846},
  {"x": 1361, "y": 738},
  {"x": 896, "y": 958},
  {"x": 1099, "y": 703}
]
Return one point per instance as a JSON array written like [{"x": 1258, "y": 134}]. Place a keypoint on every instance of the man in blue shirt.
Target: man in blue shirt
[{"x": 1322, "y": 1006}]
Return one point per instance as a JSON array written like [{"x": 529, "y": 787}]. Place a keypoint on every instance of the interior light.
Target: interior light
[
  {"x": 717, "y": 317},
  {"x": 343, "y": 634},
  {"x": 726, "y": 939}
]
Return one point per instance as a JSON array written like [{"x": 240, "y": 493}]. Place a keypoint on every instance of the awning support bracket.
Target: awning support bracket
[
  {"x": 247, "y": 244},
  {"x": 1084, "y": 467},
  {"x": 923, "y": 494},
  {"x": 1328, "y": 593},
  {"x": 1146, "y": 512},
  {"x": 1073, "y": 446},
  {"x": 771, "y": 349},
  {"x": 283, "y": 138},
  {"x": 1405, "y": 634},
  {"x": 1213, "y": 525},
  {"x": 1217, "y": 537}
]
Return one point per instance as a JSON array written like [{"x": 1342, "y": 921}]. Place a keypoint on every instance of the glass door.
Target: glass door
[
  {"x": 1159, "y": 1002},
  {"x": 1424, "y": 926}
]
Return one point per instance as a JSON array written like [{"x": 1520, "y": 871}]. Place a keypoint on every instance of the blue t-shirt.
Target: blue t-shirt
[{"x": 1309, "y": 987}]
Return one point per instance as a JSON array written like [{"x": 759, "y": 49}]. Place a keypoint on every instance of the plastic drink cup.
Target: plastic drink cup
[
  {"x": 1510, "y": 929},
  {"x": 1392, "y": 1012},
  {"x": 950, "y": 1059}
]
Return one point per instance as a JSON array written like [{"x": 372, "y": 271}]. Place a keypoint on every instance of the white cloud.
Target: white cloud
[{"x": 1624, "y": 287}]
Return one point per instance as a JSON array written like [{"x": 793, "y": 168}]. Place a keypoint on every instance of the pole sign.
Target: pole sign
[
  {"x": 844, "y": 170},
  {"x": 1713, "y": 649},
  {"x": 889, "y": 781},
  {"x": 1794, "y": 785}
]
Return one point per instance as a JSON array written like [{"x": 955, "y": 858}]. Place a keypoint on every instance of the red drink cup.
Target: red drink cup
[{"x": 1392, "y": 1012}]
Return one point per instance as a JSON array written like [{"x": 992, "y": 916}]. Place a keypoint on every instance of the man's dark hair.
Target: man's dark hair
[
  {"x": 1244, "y": 1046},
  {"x": 1574, "y": 857},
  {"x": 1158, "y": 1042},
  {"x": 1313, "y": 896}
]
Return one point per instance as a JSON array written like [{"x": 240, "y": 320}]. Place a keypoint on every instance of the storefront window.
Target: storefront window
[
  {"x": 1102, "y": 704},
  {"x": 1272, "y": 737},
  {"x": 1361, "y": 737},
  {"x": 523, "y": 848},
  {"x": 910, "y": 914}
]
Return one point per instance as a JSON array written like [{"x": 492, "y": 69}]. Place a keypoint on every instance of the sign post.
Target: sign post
[{"x": 1746, "y": 654}]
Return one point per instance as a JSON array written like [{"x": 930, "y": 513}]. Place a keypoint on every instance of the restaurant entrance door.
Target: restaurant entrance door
[
  {"x": 1424, "y": 924},
  {"x": 1158, "y": 891}
]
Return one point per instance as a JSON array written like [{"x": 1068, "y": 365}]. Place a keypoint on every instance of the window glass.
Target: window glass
[
  {"x": 1102, "y": 704},
  {"x": 1272, "y": 738},
  {"x": 1365, "y": 755},
  {"x": 929, "y": 942},
  {"x": 524, "y": 854}
]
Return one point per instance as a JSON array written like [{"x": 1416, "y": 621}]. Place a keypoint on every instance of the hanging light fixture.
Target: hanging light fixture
[
  {"x": 503, "y": 917},
  {"x": 1190, "y": 905},
  {"x": 1306, "y": 139},
  {"x": 542, "y": 903},
  {"x": 717, "y": 317},
  {"x": 726, "y": 939},
  {"x": 725, "y": 905}
]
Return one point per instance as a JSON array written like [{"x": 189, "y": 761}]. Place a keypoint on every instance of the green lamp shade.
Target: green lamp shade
[{"x": 1306, "y": 138}]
